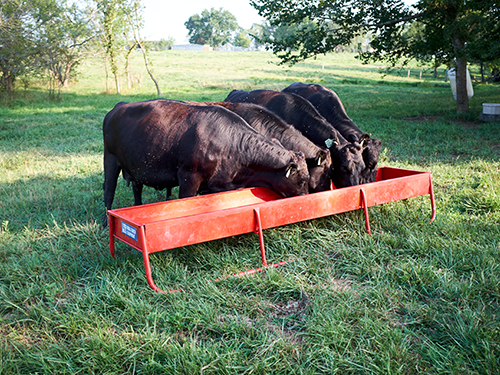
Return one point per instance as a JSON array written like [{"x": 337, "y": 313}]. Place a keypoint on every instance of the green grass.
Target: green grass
[{"x": 413, "y": 298}]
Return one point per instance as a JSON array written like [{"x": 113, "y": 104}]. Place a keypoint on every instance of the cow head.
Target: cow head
[
  {"x": 294, "y": 178},
  {"x": 348, "y": 164},
  {"x": 371, "y": 151},
  {"x": 320, "y": 171}
]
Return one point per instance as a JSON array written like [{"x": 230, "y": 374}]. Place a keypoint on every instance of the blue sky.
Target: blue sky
[{"x": 164, "y": 18}]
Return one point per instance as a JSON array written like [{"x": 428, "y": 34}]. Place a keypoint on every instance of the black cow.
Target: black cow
[
  {"x": 347, "y": 157},
  {"x": 165, "y": 143},
  {"x": 318, "y": 160},
  {"x": 328, "y": 104}
]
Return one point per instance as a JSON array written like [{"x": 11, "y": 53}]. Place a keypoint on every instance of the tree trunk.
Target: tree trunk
[
  {"x": 9, "y": 84},
  {"x": 117, "y": 83},
  {"x": 137, "y": 37},
  {"x": 149, "y": 70},
  {"x": 127, "y": 62},
  {"x": 107, "y": 74},
  {"x": 127, "y": 71},
  {"x": 461, "y": 75},
  {"x": 462, "y": 97}
]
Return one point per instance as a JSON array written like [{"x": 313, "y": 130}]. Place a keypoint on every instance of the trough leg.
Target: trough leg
[
  {"x": 433, "y": 202},
  {"x": 111, "y": 225},
  {"x": 147, "y": 265},
  {"x": 261, "y": 236},
  {"x": 365, "y": 209}
]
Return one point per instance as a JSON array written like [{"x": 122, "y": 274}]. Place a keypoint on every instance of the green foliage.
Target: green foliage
[
  {"x": 448, "y": 31},
  {"x": 16, "y": 46},
  {"x": 113, "y": 26},
  {"x": 413, "y": 298},
  {"x": 160, "y": 45},
  {"x": 41, "y": 38},
  {"x": 242, "y": 40},
  {"x": 214, "y": 27}
]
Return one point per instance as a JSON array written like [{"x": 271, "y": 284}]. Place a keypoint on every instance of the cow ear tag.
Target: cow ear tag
[
  {"x": 364, "y": 139},
  {"x": 319, "y": 160},
  {"x": 329, "y": 143}
]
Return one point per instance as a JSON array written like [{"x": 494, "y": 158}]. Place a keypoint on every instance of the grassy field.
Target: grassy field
[{"x": 413, "y": 298}]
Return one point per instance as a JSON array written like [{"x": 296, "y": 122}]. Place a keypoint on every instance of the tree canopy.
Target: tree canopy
[
  {"x": 450, "y": 30},
  {"x": 40, "y": 37},
  {"x": 214, "y": 27},
  {"x": 48, "y": 39}
]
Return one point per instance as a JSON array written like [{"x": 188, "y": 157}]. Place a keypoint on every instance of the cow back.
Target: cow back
[
  {"x": 328, "y": 104},
  {"x": 162, "y": 143},
  {"x": 274, "y": 127},
  {"x": 294, "y": 110}
]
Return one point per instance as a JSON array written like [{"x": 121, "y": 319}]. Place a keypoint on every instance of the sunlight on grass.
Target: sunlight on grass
[{"x": 412, "y": 298}]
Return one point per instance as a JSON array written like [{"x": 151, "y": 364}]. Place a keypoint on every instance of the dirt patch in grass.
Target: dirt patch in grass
[
  {"x": 421, "y": 119},
  {"x": 464, "y": 122}
]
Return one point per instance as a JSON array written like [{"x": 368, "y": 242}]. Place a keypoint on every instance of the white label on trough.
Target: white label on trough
[{"x": 129, "y": 231}]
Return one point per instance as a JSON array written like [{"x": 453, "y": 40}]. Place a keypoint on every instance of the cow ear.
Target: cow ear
[
  {"x": 290, "y": 170},
  {"x": 363, "y": 141},
  {"x": 321, "y": 157}
]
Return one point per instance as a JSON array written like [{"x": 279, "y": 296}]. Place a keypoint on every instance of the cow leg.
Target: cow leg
[
  {"x": 169, "y": 193},
  {"x": 111, "y": 172},
  {"x": 137, "y": 189},
  {"x": 189, "y": 182}
]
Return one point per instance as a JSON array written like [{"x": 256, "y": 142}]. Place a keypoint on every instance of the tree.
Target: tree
[
  {"x": 62, "y": 31},
  {"x": 242, "y": 40},
  {"x": 260, "y": 32},
  {"x": 214, "y": 27},
  {"x": 15, "y": 43},
  {"x": 39, "y": 37},
  {"x": 135, "y": 21},
  {"x": 160, "y": 45},
  {"x": 448, "y": 29},
  {"x": 113, "y": 27}
]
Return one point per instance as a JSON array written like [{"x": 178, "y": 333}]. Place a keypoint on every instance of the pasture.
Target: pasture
[{"x": 413, "y": 298}]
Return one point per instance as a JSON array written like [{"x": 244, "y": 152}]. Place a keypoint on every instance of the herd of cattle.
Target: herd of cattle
[{"x": 296, "y": 141}]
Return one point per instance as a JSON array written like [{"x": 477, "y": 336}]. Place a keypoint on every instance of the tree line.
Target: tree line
[
  {"x": 217, "y": 27},
  {"x": 48, "y": 39},
  {"x": 451, "y": 32}
]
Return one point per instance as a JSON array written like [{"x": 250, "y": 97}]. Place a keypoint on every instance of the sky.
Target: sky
[{"x": 165, "y": 18}]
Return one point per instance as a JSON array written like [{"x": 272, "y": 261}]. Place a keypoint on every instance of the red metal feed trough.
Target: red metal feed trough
[{"x": 166, "y": 225}]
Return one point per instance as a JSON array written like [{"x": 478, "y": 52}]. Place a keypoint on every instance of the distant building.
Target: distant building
[
  {"x": 230, "y": 47},
  {"x": 191, "y": 47},
  {"x": 206, "y": 47}
]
